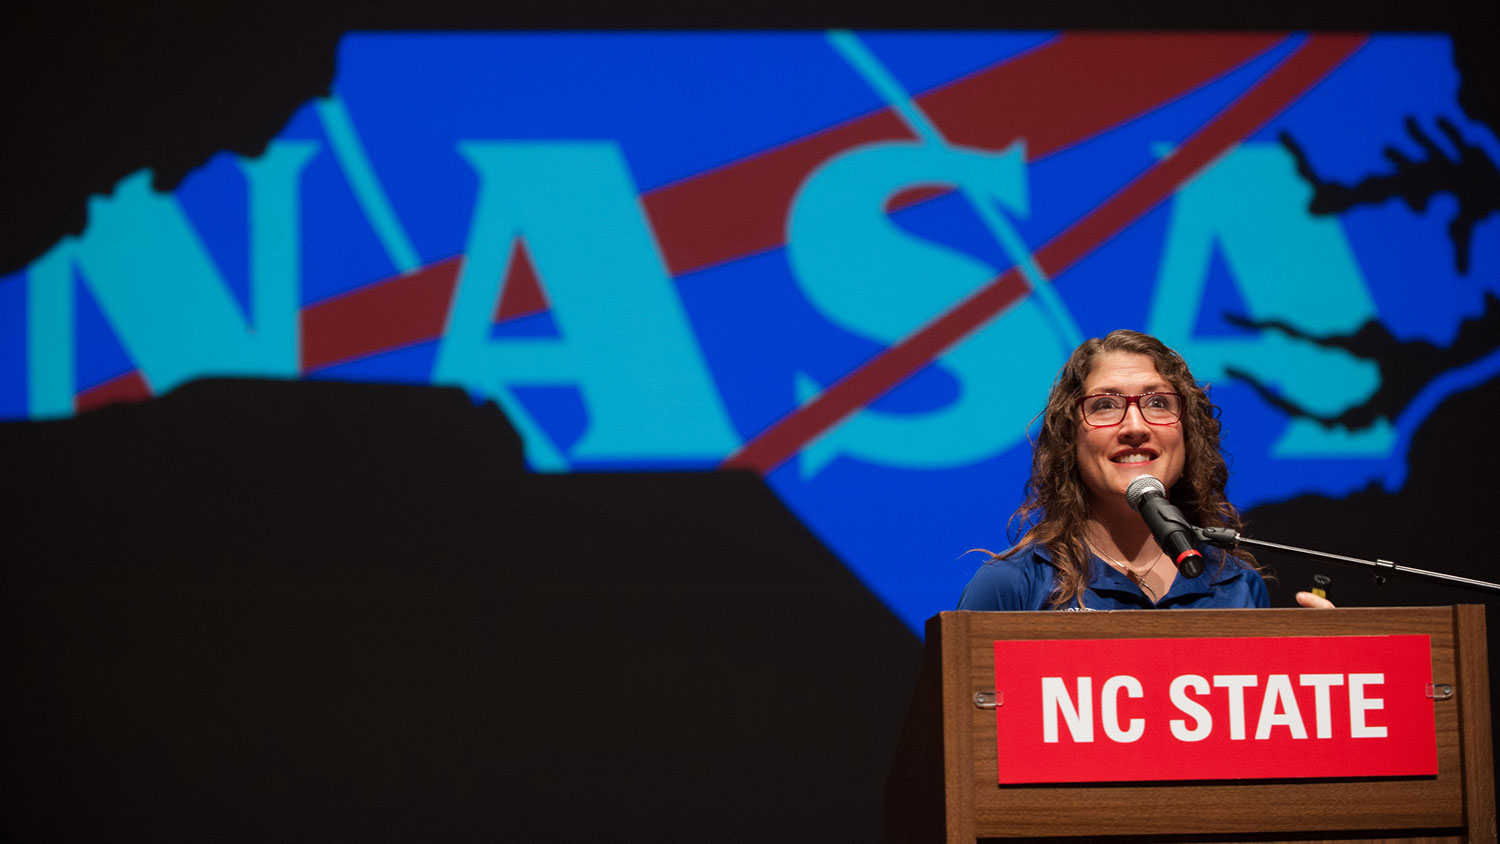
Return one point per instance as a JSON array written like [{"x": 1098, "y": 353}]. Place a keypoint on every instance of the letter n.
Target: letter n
[{"x": 1080, "y": 717}]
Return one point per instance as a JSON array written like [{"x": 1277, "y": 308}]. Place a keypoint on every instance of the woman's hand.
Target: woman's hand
[{"x": 1317, "y": 602}]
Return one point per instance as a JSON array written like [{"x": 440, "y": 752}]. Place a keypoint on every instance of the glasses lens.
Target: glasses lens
[
  {"x": 1104, "y": 410},
  {"x": 1160, "y": 407}
]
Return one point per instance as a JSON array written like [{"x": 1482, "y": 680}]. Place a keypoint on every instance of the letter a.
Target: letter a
[{"x": 626, "y": 344}]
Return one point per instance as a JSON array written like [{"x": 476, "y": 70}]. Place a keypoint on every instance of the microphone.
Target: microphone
[{"x": 1169, "y": 527}]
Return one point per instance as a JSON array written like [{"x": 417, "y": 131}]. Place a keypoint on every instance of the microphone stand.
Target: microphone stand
[{"x": 1230, "y": 539}]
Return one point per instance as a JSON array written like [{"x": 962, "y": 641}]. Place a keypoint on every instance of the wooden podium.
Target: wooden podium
[{"x": 942, "y": 785}]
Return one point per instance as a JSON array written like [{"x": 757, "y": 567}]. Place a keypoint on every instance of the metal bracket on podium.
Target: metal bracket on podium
[
  {"x": 988, "y": 700},
  {"x": 1440, "y": 691}
]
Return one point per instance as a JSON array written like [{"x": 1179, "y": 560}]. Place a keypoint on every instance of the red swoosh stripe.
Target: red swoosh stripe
[
  {"x": 1066, "y": 91},
  {"x": 400, "y": 311},
  {"x": 1273, "y": 93}
]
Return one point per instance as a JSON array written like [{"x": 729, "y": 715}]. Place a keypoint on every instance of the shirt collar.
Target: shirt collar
[
  {"x": 1105, "y": 578},
  {"x": 1216, "y": 570}
]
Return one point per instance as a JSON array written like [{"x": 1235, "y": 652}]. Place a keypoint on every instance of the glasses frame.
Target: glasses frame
[{"x": 1132, "y": 400}]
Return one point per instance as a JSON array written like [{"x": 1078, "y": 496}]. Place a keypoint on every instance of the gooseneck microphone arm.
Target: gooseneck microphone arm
[{"x": 1231, "y": 539}]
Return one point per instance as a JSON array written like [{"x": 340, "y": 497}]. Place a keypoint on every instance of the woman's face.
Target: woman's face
[{"x": 1110, "y": 458}]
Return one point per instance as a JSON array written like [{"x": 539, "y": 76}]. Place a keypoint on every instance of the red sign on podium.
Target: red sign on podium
[{"x": 1128, "y": 710}]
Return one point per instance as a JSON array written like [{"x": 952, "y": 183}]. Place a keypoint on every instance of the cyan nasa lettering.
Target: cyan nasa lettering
[{"x": 626, "y": 344}]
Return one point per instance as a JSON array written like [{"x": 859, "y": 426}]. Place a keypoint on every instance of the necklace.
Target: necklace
[{"x": 1137, "y": 579}]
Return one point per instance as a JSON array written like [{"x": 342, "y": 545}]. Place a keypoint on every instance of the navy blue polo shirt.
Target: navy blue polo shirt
[{"x": 1024, "y": 582}]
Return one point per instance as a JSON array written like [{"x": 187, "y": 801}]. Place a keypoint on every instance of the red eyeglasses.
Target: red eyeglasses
[{"x": 1105, "y": 410}]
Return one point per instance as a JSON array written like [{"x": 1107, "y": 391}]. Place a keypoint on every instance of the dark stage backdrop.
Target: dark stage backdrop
[
  {"x": 342, "y": 612},
  {"x": 448, "y": 421}
]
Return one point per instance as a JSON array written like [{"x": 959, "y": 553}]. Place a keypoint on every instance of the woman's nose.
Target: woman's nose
[{"x": 1134, "y": 421}]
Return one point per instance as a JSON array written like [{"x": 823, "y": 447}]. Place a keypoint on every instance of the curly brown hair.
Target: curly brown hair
[{"x": 1056, "y": 510}]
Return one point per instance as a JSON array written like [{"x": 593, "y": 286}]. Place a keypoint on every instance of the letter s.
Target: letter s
[
  {"x": 866, "y": 273},
  {"x": 1204, "y": 722}
]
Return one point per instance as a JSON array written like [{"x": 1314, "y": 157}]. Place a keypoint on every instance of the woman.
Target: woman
[{"x": 1123, "y": 406}]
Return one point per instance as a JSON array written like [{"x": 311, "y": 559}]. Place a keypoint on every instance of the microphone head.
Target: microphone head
[{"x": 1141, "y": 487}]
